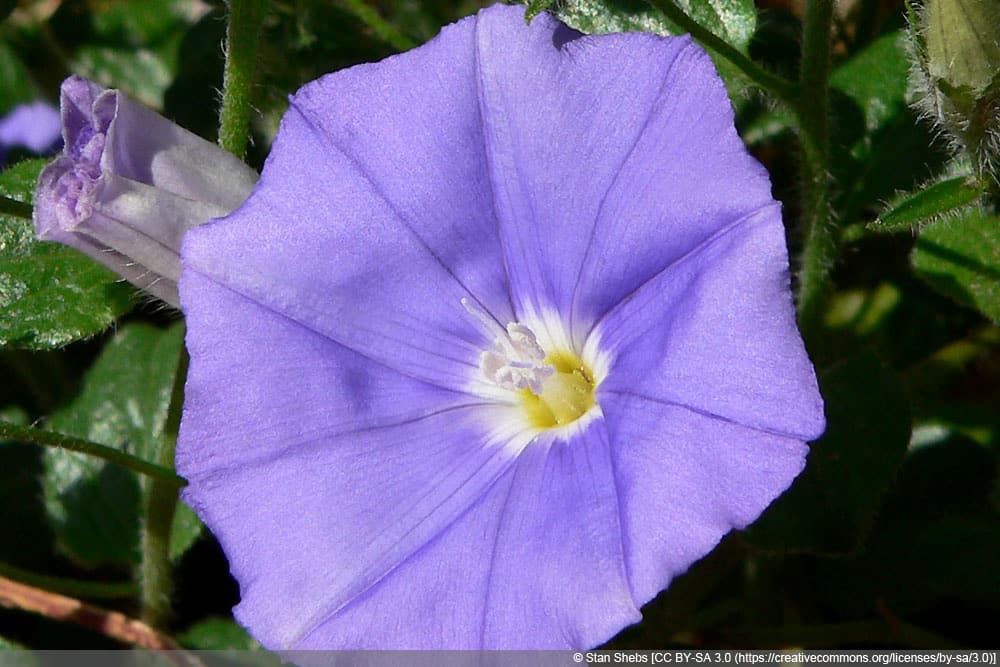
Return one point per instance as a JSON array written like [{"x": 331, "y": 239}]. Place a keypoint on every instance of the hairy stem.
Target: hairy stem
[
  {"x": 780, "y": 87},
  {"x": 814, "y": 118},
  {"x": 155, "y": 571},
  {"x": 242, "y": 33},
  {"x": 37, "y": 436}
]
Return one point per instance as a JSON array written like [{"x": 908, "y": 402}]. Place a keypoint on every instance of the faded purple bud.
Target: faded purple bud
[
  {"x": 33, "y": 126},
  {"x": 130, "y": 183}
]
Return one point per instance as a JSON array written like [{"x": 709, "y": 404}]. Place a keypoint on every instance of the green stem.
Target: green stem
[
  {"x": 16, "y": 208},
  {"x": 155, "y": 573},
  {"x": 242, "y": 34},
  {"x": 782, "y": 88},
  {"x": 385, "y": 30},
  {"x": 37, "y": 436},
  {"x": 72, "y": 587},
  {"x": 813, "y": 108}
]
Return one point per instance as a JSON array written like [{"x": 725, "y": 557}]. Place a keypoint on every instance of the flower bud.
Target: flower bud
[
  {"x": 130, "y": 183},
  {"x": 957, "y": 74},
  {"x": 962, "y": 39}
]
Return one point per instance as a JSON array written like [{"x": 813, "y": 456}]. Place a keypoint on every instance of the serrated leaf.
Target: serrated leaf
[
  {"x": 927, "y": 204},
  {"x": 832, "y": 505},
  {"x": 95, "y": 508},
  {"x": 961, "y": 259},
  {"x": 50, "y": 295}
]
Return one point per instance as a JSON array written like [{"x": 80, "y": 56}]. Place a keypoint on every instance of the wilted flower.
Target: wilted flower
[
  {"x": 33, "y": 126},
  {"x": 500, "y": 344},
  {"x": 130, "y": 183}
]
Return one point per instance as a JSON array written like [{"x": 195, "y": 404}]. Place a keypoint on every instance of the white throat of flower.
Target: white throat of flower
[{"x": 553, "y": 388}]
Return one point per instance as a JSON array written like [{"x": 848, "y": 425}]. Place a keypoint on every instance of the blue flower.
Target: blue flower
[{"x": 500, "y": 344}]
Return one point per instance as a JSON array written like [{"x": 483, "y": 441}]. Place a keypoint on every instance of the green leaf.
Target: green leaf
[
  {"x": 214, "y": 634},
  {"x": 17, "y": 84},
  {"x": 141, "y": 73},
  {"x": 139, "y": 24},
  {"x": 22, "y": 516},
  {"x": 535, "y": 7},
  {"x": 96, "y": 508},
  {"x": 733, "y": 21},
  {"x": 875, "y": 79},
  {"x": 961, "y": 259},
  {"x": 927, "y": 204},
  {"x": 879, "y": 147},
  {"x": 185, "y": 530},
  {"x": 830, "y": 508},
  {"x": 50, "y": 295}
]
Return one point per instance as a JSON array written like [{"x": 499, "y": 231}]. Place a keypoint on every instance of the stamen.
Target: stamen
[{"x": 516, "y": 361}]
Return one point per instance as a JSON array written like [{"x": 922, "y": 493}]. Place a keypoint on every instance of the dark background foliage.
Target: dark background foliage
[{"x": 889, "y": 539}]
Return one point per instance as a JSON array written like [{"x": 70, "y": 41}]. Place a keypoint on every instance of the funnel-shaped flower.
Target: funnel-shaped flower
[
  {"x": 33, "y": 126},
  {"x": 130, "y": 183},
  {"x": 500, "y": 344}
]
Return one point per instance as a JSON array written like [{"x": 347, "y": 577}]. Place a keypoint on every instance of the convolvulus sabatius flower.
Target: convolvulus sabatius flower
[{"x": 501, "y": 343}]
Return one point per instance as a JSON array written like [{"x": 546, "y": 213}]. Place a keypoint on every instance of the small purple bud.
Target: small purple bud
[{"x": 130, "y": 183}]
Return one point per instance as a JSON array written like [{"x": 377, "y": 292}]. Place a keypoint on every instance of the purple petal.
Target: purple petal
[
  {"x": 143, "y": 146},
  {"x": 323, "y": 471},
  {"x": 410, "y": 127},
  {"x": 34, "y": 126},
  {"x": 685, "y": 480},
  {"x": 83, "y": 132},
  {"x": 537, "y": 563},
  {"x": 319, "y": 242},
  {"x": 607, "y": 155},
  {"x": 715, "y": 332}
]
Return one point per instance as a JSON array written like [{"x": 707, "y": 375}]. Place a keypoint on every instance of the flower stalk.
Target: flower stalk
[
  {"x": 37, "y": 436},
  {"x": 814, "y": 119},
  {"x": 245, "y": 19},
  {"x": 155, "y": 569}
]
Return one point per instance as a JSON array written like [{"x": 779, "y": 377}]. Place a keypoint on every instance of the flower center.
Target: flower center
[{"x": 554, "y": 388}]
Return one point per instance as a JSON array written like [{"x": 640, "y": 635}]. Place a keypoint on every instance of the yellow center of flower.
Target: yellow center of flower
[
  {"x": 553, "y": 388},
  {"x": 565, "y": 395}
]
